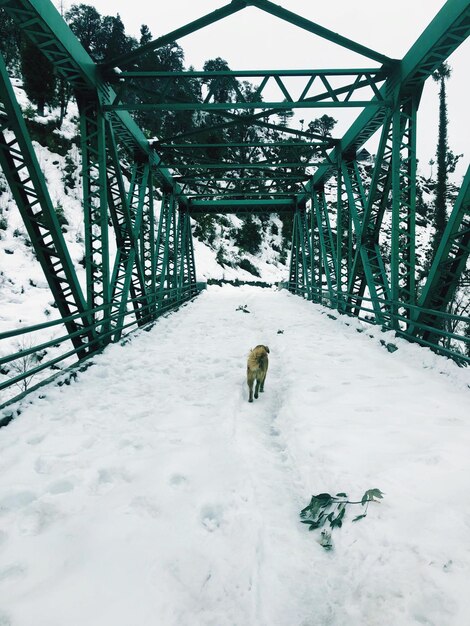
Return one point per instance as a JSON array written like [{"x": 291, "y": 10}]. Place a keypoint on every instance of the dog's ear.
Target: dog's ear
[{"x": 267, "y": 349}]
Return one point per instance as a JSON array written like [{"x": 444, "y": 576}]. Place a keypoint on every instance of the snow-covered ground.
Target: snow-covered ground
[{"x": 150, "y": 492}]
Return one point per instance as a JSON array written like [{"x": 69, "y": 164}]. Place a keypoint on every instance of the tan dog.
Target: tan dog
[{"x": 256, "y": 369}]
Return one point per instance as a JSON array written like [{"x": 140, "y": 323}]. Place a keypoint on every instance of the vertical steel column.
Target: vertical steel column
[
  {"x": 147, "y": 232},
  {"x": 327, "y": 249},
  {"x": 374, "y": 211},
  {"x": 366, "y": 271},
  {"x": 166, "y": 250},
  {"x": 138, "y": 207},
  {"x": 298, "y": 274},
  {"x": 127, "y": 276},
  {"x": 316, "y": 257},
  {"x": 148, "y": 240},
  {"x": 95, "y": 205},
  {"x": 403, "y": 257},
  {"x": 343, "y": 241},
  {"x": 187, "y": 270}
]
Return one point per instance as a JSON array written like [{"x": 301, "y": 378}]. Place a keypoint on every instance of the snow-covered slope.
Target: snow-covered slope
[{"x": 151, "y": 492}]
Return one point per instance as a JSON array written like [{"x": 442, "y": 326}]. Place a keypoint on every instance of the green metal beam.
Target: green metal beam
[
  {"x": 247, "y": 195},
  {"x": 40, "y": 21},
  {"x": 248, "y": 144},
  {"x": 246, "y": 106},
  {"x": 279, "y": 177},
  {"x": 202, "y": 22},
  {"x": 445, "y": 33},
  {"x": 241, "y": 206},
  {"x": 376, "y": 72},
  {"x": 316, "y": 29},
  {"x": 238, "y": 166}
]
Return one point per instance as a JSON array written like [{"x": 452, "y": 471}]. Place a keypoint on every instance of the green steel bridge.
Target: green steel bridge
[{"x": 337, "y": 256}]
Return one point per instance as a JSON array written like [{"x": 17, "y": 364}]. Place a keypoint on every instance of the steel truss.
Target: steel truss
[
  {"x": 350, "y": 270},
  {"x": 138, "y": 196}
]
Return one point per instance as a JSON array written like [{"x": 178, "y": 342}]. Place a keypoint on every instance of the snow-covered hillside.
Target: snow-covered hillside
[{"x": 151, "y": 492}]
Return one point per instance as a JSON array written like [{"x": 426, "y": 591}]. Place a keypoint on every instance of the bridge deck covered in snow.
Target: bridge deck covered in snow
[{"x": 151, "y": 492}]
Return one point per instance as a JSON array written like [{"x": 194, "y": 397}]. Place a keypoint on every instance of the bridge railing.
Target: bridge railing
[
  {"x": 29, "y": 355},
  {"x": 447, "y": 338}
]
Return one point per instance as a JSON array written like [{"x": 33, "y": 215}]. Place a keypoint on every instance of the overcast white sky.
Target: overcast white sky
[{"x": 253, "y": 39}]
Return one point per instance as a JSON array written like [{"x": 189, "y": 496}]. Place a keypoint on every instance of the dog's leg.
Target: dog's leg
[
  {"x": 257, "y": 387},
  {"x": 250, "y": 380},
  {"x": 263, "y": 378}
]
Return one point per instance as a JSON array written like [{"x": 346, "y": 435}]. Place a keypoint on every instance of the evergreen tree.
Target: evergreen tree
[
  {"x": 249, "y": 236},
  {"x": 440, "y": 216},
  {"x": 285, "y": 115},
  {"x": 322, "y": 126},
  {"x": 85, "y": 22},
  {"x": 114, "y": 40},
  {"x": 222, "y": 88},
  {"x": 9, "y": 42},
  {"x": 39, "y": 79}
]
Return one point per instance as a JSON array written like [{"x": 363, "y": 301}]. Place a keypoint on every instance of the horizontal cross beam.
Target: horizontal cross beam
[
  {"x": 247, "y": 194},
  {"x": 377, "y": 73},
  {"x": 236, "y": 166},
  {"x": 228, "y": 106},
  {"x": 156, "y": 145},
  {"x": 207, "y": 175},
  {"x": 242, "y": 206}
]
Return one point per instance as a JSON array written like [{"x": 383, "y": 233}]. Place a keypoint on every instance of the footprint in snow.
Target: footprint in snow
[
  {"x": 145, "y": 506},
  {"x": 34, "y": 441},
  {"x": 60, "y": 486},
  {"x": 177, "y": 480},
  {"x": 211, "y": 517},
  {"x": 12, "y": 572},
  {"x": 38, "y": 518},
  {"x": 16, "y": 501}
]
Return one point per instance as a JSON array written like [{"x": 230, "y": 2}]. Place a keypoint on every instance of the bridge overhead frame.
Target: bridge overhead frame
[{"x": 143, "y": 264}]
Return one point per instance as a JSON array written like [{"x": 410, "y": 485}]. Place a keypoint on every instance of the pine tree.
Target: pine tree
[
  {"x": 85, "y": 23},
  {"x": 440, "y": 216},
  {"x": 285, "y": 115},
  {"x": 322, "y": 126},
  {"x": 39, "y": 79},
  {"x": 9, "y": 42}
]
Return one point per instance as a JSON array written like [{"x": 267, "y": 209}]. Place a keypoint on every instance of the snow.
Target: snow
[{"x": 150, "y": 491}]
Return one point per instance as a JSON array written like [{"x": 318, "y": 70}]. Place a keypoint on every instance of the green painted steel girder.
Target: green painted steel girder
[
  {"x": 242, "y": 206},
  {"x": 234, "y": 7},
  {"x": 247, "y": 144},
  {"x": 378, "y": 73},
  {"x": 229, "y": 106},
  {"x": 247, "y": 195},
  {"x": 44, "y": 25},
  {"x": 202, "y": 177},
  {"x": 316, "y": 29},
  {"x": 445, "y": 33},
  {"x": 325, "y": 90},
  {"x": 206, "y": 20},
  {"x": 239, "y": 166}
]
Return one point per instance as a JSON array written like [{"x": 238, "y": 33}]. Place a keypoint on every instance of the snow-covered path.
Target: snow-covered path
[{"x": 151, "y": 493}]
